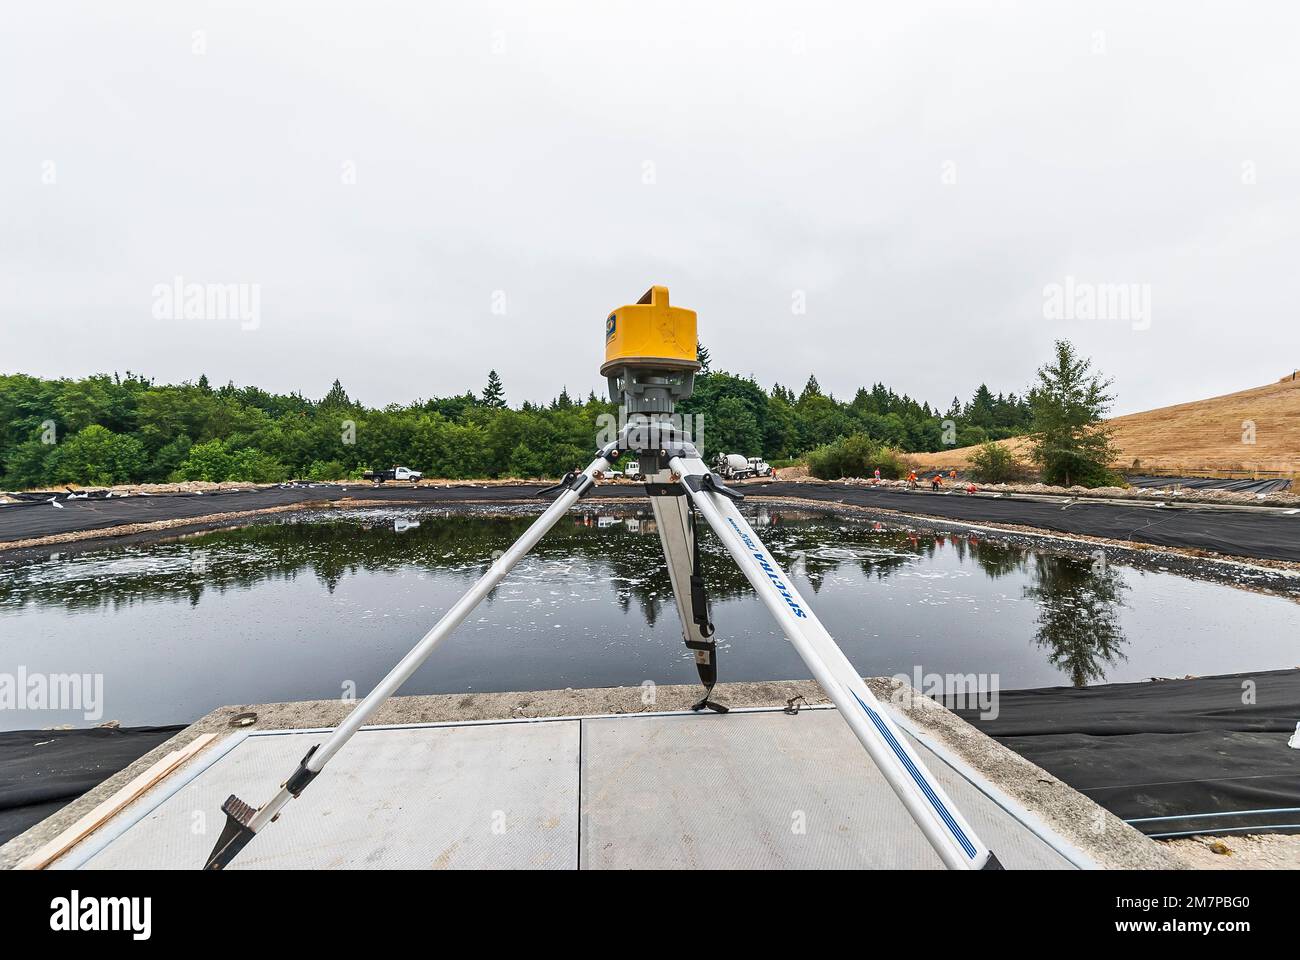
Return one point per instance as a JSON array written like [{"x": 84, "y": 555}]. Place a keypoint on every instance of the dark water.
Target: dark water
[{"x": 319, "y": 606}]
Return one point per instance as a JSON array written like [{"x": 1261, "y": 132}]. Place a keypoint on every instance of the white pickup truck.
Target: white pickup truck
[{"x": 397, "y": 473}]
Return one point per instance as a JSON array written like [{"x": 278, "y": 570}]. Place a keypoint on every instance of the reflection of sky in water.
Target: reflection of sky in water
[{"x": 295, "y": 610}]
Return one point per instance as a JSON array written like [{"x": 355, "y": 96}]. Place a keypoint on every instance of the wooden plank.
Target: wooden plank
[{"x": 109, "y": 808}]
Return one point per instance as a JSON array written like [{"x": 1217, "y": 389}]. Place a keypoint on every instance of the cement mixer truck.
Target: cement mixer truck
[{"x": 734, "y": 466}]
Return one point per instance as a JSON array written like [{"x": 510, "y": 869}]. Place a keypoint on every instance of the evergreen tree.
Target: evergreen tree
[
  {"x": 1068, "y": 440},
  {"x": 702, "y": 354},
  {"x": 336, "y": 399},
  {"x": 494, "y": 394},
  {"x": 981, "y": 410}
]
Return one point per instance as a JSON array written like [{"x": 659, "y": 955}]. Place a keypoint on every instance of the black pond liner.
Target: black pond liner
[
  {"x": 1172, "y": 757},
  {"x": 1275, "y": 485},
  {"x": 42, "y": 771}
]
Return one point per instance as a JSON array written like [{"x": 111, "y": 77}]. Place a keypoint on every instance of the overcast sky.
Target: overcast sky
[{"x": 418, "y": 192}]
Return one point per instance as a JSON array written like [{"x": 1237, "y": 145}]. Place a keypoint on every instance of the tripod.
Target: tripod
[
  {"x": 649, "y": 376},
  {"x": 685, "y": 484}
]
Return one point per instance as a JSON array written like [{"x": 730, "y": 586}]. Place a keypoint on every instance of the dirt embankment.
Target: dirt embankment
[{"x": 1249, "y": 432}]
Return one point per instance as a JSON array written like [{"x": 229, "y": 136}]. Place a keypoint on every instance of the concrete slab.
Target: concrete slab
[
  {"x": 473, "y": 796},
  {"x": 766, "y": 791},
  {"x": 751, "y": 790}
]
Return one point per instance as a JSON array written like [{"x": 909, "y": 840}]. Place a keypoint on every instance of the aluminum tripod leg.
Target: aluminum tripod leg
[
  {"x": 243, "y": 822},
  {"x": 935, "y": 814},
  {"x": 677, "y": 537}
]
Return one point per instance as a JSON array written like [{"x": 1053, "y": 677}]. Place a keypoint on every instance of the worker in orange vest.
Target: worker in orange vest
[
  {"x": 937, "y": 482},
  {"x": 911, "y": 478}
]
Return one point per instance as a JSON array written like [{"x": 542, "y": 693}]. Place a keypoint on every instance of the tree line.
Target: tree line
[{"x": 107, "y": 429}]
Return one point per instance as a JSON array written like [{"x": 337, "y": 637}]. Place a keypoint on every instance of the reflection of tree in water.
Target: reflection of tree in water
[
  {"x": 997, "y": 560},
  {"x": 1078, "y": 615}
]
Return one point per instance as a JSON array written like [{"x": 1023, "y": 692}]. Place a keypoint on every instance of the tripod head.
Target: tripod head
[{"x": 650, "y": 354}]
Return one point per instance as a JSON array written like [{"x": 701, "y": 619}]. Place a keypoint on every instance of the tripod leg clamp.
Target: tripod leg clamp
[
  {"x": 713, "y": 484},
  {"x": 700, "y": 607},
  {"x": 297, "y": 783},
  {"x": 574, "y": 480}
]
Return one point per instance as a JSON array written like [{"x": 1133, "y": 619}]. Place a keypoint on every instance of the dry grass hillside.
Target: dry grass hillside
[{"x": 1204, "y": 436}]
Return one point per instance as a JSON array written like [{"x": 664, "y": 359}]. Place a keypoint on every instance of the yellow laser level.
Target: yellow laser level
[
  {"x": 650, "y": 353},
  {"x": 650, "y": 333}
]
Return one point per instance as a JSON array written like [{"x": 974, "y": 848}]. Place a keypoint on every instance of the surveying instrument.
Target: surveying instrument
[{"x": 650, "y": 365}]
